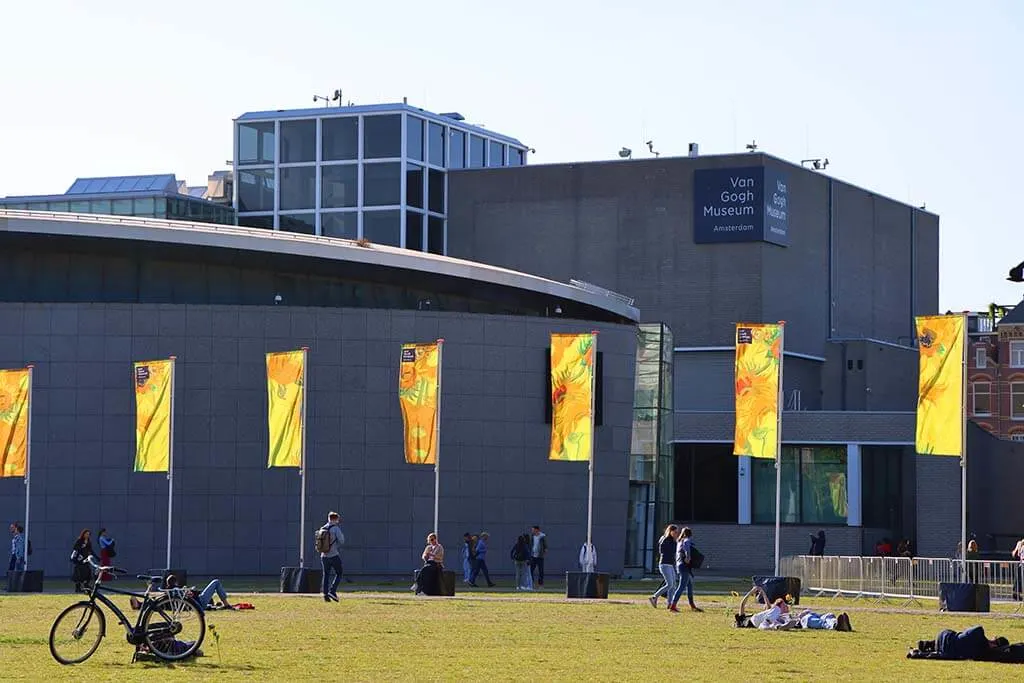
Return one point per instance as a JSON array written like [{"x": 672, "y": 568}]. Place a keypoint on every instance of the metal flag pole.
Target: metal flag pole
[
  {"x": 28, "y": 461},
  {"x": 437, "y": 438},
  {"x": 963, "y": 447},
  {"x": 170, "y": 466},
  {"x": 302, "y": 461},
  {"x": 778, "y": 450},
  {"x": 590, "y": 469}
]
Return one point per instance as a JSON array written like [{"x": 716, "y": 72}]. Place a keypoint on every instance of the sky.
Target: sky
[{"x": 918, "y": 101}]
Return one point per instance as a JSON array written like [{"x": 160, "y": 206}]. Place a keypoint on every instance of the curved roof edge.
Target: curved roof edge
[{"x": 257, "y": 239}]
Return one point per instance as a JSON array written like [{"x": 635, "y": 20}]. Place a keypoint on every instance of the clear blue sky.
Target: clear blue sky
[{"x": 920, "y": 101}]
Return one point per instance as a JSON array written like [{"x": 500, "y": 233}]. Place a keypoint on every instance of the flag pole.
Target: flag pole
[
  {"x": 590, "y": 464},
  {"x": 28, "y": 461},
  {"x": 170, "y": 466},
  {"x": 778, "y": 449},
  {"x": 963, "y": 447},
  {"x": 302, "y": 461},
  {"x": 437, "y": 437}
]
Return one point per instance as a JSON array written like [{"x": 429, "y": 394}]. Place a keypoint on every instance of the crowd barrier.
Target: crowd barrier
[{"x": 909, "y": 578}]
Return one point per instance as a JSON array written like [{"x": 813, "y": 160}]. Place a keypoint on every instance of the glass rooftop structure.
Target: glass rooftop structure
[
  {"x": 374, "y": 171},
  {"x": 145, "y": 196}
]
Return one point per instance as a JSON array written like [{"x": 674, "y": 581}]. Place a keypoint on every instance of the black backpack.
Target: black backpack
[
  {"x": 519, "y": 552},
  {"x": 696, "y": 557}
]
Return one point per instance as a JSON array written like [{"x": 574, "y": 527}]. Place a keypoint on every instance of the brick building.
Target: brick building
[{"x": 996, "y": 371}]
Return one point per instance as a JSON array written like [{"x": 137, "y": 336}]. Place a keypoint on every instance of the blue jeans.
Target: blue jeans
[
  {"x": 668, "y": 573},
  {"x": 685, "y": 583},
  {"x": 329, "y": 563},
  {"x": 214, "y": 587}
]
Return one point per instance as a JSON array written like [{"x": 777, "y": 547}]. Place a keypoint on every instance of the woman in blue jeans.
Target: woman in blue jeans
[
  {"x": 685, "y": 571},
  {"x": 666, "y": 564}
]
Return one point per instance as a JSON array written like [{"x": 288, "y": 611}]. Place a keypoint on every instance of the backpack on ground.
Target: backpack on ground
[
  {"x": 323, "y": 540},
  {"x": 696, "y": 557}
]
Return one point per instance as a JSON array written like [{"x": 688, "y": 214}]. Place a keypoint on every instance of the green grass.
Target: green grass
[{"x": 487, "y": 636}]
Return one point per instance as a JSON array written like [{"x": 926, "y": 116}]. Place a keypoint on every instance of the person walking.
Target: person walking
[
  {"x": 520, "y": 555},
  {"x": 467, "y": 556},
  {"x": 1018, "y": 570},
  {"x": 17, "y": 563},
  {"x": 81, "y": 570},
  {"x": 684, "y": 569},
  {"x": 480, "y": 565},
  {"x": 107, "y": 553},
  {"x": 666, "y": 564},
  {"x": 538, "y": 550},
  {"x": 329, "y": 539}
]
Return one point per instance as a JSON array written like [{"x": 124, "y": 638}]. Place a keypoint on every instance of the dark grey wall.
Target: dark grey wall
[
  {"x": 861, "y": 375},
  {"x": 235, "y": 517},
  {"x": 995, "y": 468},
  {"x": 628, "y": 226},
  {"x": 703, "y": 380}
]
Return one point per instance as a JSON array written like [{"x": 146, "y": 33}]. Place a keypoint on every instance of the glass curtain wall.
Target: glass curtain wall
[
  {"x": 814, "y": 486},
  {"x": 651, "y": 476}
]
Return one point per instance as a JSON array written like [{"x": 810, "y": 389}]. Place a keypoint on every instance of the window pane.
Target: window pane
[
  {"x": 257, "y": 221},
  {"x": 255, "y": 190},
  {"x": 160, "y": 207},
  {"x": 763, "y": 472},
  {"x": 382, "y": 227},
  {"x": 823, "y": 485},
  {"x": 515, "y": 157},
  {"x": 1017, "y": 400},
  {"x": 982, "y": 398},
  {"x": 340, "y": 186},
  {"x": 414, "y": 138},
  {"x": 121, "y": 207},
  {"x": 414, "y": 185},
  {"x": 476, "y": 152},
  {"x": 436, "y": 140},
  {"x": 63, "y": 206},
  {"x": 382, "y": 136},
  {"x": 143, "y": 206},
  {"x": 340, "y": 138},
  {"x": 80, "y": 206},
  {"x": 298, "y": 187},
  {"x": 298, "y": 141},
  {"x": 414, "y": 230},
  {"x": 457, "y": 149},
  {"x": 382, "y": 185},
  {"x": 99, "y": 206},
  {"x": 344, "y": 224},
  {"x": 436, "y": 191},
  {"x": 256, "y": 143},
  {"x": 496, "y": 155},
  {"x": 435, "y": 235},
  {"x": 304, "y": 223}
]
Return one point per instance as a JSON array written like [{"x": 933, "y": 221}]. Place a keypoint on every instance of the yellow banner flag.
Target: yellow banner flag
[
  {"x": 14, "y": 408},
  {"x": 286, "y": 378},
  {"x": 418, "y": 395},
  {"x": 758, "y": 366},
  {"x": 940, "y": 397},
  {"x": 153, "y": 415},
  {"x": 572, "y": 396}
]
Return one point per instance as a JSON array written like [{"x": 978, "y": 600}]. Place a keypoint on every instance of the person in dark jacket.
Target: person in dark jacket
[
  {"x": 81, "y": 571},
  {"x": 817, "y": 544},
  {"x": 970, "y": 644},
  {"x": 666, "y": 564}
]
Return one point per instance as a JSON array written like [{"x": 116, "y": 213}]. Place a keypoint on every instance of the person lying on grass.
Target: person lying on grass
[{"x": 970, "y": 644}]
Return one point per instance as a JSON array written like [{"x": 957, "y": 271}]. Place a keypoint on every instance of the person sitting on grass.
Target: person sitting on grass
[
  {"x": 203, "y": 597},
  {"x": 428, "y": 579}
]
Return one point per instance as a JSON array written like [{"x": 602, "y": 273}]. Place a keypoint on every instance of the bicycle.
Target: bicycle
[{"x": 171, "y": 623}]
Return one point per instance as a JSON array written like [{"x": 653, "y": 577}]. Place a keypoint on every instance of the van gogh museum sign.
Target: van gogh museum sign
[{"x": 740, "y": 205}]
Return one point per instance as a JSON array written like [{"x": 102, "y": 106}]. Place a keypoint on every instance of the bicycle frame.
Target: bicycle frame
[{"x": 96, "y": 594}]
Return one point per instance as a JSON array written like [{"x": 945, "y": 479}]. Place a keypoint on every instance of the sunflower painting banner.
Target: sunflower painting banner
[
  {"x": 418, "y": 384},
  {"x": 940, "y": 393},
  {"x": 15, "y": 387},
  {"x": 286, "y": 379},
  {"x": 758, "y": 367},
  {"x": 153, "y": 415},
  {"x": 572, "y": 392}
]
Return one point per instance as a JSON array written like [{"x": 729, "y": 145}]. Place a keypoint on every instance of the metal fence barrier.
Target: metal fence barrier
[{"x": 909, "y": 578}]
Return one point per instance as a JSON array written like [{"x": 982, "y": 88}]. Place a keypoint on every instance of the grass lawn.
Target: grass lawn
[{"x": 488, "y": 636}]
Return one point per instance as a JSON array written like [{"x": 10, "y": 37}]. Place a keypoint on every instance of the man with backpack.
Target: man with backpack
[{"x": 329, "y": 539}]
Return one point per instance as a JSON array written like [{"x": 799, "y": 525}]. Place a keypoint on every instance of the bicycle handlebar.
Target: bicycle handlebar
[{"x": 112, "y": 570}]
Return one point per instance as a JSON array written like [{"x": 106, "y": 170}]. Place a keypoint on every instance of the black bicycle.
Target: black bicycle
[{"x": 171, "y": 623}]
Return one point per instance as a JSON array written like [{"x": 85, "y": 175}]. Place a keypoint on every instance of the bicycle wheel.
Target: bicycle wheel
[
  {"x": 76, "y": 633},
  {"x": 174, "y": 627}
]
